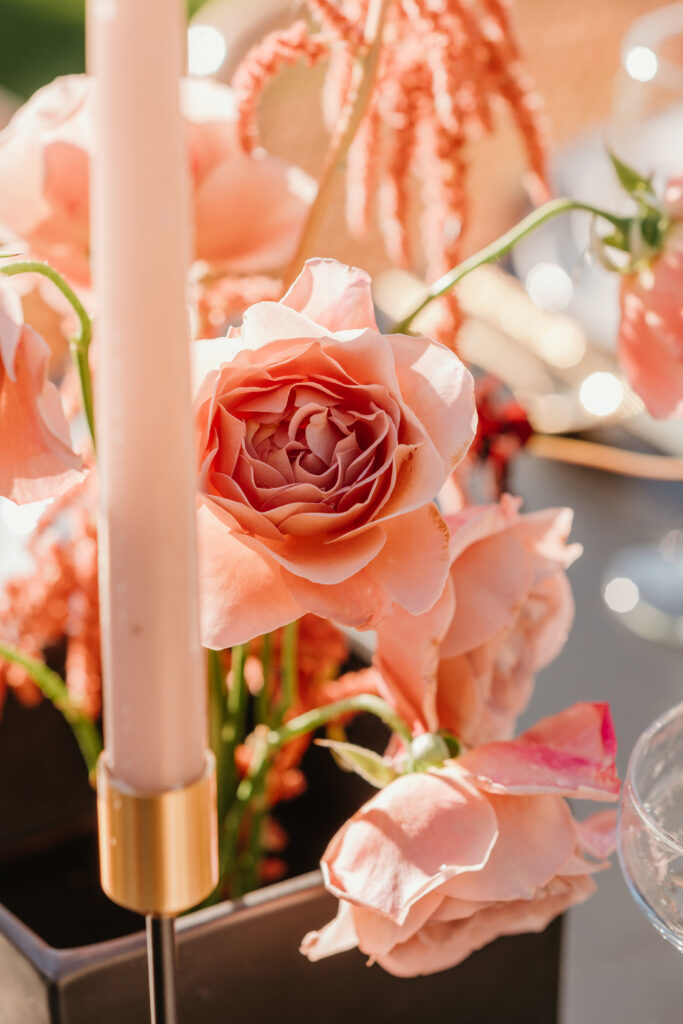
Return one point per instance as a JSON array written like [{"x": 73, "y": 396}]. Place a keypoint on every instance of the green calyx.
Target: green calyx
[
  {"x": 428, "y": 750},
  {"x": 642, "y": 236}
]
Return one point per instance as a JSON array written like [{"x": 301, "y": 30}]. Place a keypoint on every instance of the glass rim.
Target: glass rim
[{"x": 633, "y": 762}]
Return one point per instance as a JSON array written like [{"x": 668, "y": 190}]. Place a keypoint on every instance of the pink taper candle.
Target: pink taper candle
[{"x": 154, "y": 692}]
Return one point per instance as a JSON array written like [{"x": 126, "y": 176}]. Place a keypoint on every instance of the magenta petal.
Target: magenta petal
[{"x": 571, "y": 753}]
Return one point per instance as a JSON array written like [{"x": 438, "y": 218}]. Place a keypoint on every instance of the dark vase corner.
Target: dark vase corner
[{"x": 67, "y": 955}]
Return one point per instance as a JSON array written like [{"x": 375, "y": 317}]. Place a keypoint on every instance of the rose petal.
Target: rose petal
[
  {"x": 585, "y": 730},
  {"x": 320, "y": 562},
  {"x": 536, "y": 836},
  {"x": 407, "y": 657},
  {"x": 258, "y": 232},
  {"x": 414, "y": 541},
  {"x": 491, "y": 579},
  {"x": 334, "y": 295},
  {"x": 571, "y": 754},
  {"x": 336, "y": 936},
  {"x": 36, "y": 459},
  {"x": 598, "y": 834},
  {"x": 437, "y": 385},
  {"x": 243, "y": 594},
  {"x": 407, "y": 840},
  {"x": 360, "y": 602},
  {"x": 377, "y": 934},
  {"x": 440, "y": 945}
]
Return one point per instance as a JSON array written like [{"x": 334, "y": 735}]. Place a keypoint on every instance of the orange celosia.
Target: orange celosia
[{"x": 57, "y": 605}]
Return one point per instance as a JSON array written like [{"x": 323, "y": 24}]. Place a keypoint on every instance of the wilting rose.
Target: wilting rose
[
  {"x": 248, "y": 210},
  {"x": 439, "y": 863},
  {"x": 36, "y": 458},
  {"x": 321, "y": 444},
  {"x": 651, "y": 329},
  {"x": 468, "y": 664}
]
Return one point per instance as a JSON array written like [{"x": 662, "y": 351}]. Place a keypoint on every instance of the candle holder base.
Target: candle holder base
[{"x": 158, "y": 851}]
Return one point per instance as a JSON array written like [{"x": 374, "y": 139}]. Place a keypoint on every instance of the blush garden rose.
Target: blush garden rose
[
  {"x": 45, "y": 155},
  {"x": 468, "y": 664},
  {"x": 441, "y": 862},
  {"x": 321, "y": 444},
  {"x": 36, "y": 457}
]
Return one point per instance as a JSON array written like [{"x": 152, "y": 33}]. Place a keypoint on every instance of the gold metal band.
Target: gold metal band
[{"x": 158, "y": 851}]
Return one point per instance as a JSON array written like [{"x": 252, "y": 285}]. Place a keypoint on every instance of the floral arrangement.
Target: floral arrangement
[{"x": 334, "y": 465}]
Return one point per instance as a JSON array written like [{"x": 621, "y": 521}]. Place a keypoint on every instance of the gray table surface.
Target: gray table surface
[{"x": 616, "y": 969}]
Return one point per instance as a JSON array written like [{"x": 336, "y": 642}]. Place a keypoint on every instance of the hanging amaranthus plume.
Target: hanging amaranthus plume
[
  {"x": 276, "y": 52},
  {"x": 444, "y": 67}
]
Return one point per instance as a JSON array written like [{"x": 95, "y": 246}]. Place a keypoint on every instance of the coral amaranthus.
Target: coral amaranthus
[{"x": 443, "y": 68}]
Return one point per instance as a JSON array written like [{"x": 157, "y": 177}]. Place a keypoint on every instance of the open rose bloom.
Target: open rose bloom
[
  {"x": 441, "y": 862},
  {"x": 321, "y": 444},
  {"x": 468, "y": 665},
  {"x": 36, "y": 457},
  {"x": 45, "y": 154}
]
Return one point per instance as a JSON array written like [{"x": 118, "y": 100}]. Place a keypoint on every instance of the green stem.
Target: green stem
[
  {"x": 232, "y": 733},
  {"x": 290, "y": 668},
  {"x": 81, "y": 343},
  {"x": 234, "y": 730},
  {"x": 503, "y": 245},
  {"x": 54, "y": 688},
  {"x": 263, "y": 710},
  {"x": 218, "y": 707},
  {"x": 311, "y": 720},
  {"x": 265, "y": 744}
]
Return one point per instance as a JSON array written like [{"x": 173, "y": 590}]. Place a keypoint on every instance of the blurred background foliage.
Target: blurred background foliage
[{"x": 40, "y": 39}]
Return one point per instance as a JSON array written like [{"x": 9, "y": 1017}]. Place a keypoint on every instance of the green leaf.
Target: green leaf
[
  {"x": 629, "y": 178},
  {"x": 366, "y": 763}
]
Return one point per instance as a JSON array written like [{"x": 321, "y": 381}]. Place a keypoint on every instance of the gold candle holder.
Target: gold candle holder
[{"x": 158, "y": 851}]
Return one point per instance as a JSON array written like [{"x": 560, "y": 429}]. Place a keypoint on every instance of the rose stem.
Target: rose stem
[
  {"x": 503, "y": 245},
  {"x": 251, "y": 859},
  {"x": 267, "y": 742}
]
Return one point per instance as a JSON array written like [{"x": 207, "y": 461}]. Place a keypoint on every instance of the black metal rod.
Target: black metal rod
[{"x": 162, "y": 964}]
